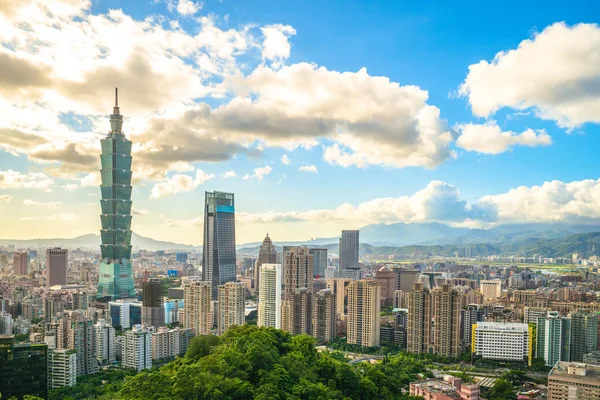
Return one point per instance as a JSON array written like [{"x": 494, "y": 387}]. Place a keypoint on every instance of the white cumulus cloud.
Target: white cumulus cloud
[
  {"x": 259, "y": 173},
  {"x": 276, "y": 46},
  {"x": 32, "y": 180},
  {"x": 179, "y": 183},
  {"x": 490, "y": 139},
  {"x": 285, "y": 159},
  {"x": 556, "y": 73},
  {"x": 308, "y": 168},
  {"x": 48, "y": 204},
  {"x": 65, "y": 217},
  {"x": 228, "y": 174},
  {"x": 5, "y": 198}
]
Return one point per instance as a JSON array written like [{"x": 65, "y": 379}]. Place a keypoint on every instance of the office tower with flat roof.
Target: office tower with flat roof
[
  {"x": 20, "y": 263},
  {"x": 406, "y": 278},
  {"x": 502, "y": 341},
  {"x": 153, "y": 312},
  {"x": 267, "y": 254},
  {"x": 364, "y": 313},
  {"x": 324, "y": 316},
  {"x": 447, "y": 304},
  {"x": 197, "y": 306},
  {"x": 491, "y": 289},
  {"x": 218, "y": 252},
  {"x": 553, "y": 338},
  {"x": 419, "y": 319},
  {"x": 136, "y": 349},
  {"x": 23, "y": 368},
  {"x": 56, "y": 266},
  {"x": 319, "y": 262},
  {"x": 349, "y": 246},
  {"x": 115, "y": 279},
  {"x": 584, "y": 334},
  {"x": 232, "y": 306},
  {"x": 269, "y": 298},
  {"x": 106, "y": 349},
  {"x": 62, "y": 368}
]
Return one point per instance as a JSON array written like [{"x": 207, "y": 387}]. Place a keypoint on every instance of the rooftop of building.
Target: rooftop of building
[
  {"x": 504, "y": 326},
  {"x": 435, "y": 386},
  {"x": 576, "y": 372}
]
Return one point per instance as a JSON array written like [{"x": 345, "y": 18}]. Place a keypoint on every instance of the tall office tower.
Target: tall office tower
[
  {"x": 62, "y": 368},
  {"x": 472, "y": 315},
  {"x": 584, "y": 334},
  {"x": 136, "y": 351},
  {"x": 116, "y": 276},
  {"x": 56, "y": 266},
  {"x": 267, "y": 254},
  {"x": 20, "y": 263},
  {"x": 447, "y": 304},
  {"x": 80, "y": 301},
  {"x": 269, "y": 298},
  {"x": 105, "y": 342},
  {"x": 419, "y": 319},
  {"x": 363, "y": 313},
  {"x": 218, "y": 253},
  {"x": 339, "y": 286},
  {"x": 406, "y": 278},
  {"x": 553, "y": 338},
  {"x": 349, "y": 251},
  {"x": 319, "y": 261},
  {"x": 76, "y": 332},
  {"x": 153, "y": 312},
  {"x": 232, "y": 306},
  {"x": 197, "y": 301},
  {"x": 491, "y": 289},
  {"x": 324, "y": 318},
  {"x": 296, "y": 311},
  {"x": 23, "y": 368}
]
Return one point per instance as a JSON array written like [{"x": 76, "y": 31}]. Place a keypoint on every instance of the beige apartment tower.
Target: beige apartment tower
[
  {"x": 419, "y": 319},
  {"x": 231, "y": 302},
  {"x": 324, "y": 316},
  {"x": 363, "y": 313},
  {"x": 197, "y": 302},
  {"x": 339, "y": 286},
  {"x": 56, "y": 266},
  {"x": 447, "y": 304}
]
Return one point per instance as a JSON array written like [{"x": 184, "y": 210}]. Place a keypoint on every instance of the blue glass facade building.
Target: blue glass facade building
[
  {"x": 218, "y": 253},
  {"x": 116, "y": 275}
]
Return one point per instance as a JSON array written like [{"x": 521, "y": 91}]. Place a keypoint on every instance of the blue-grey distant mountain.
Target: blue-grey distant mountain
[{"x": 92, "y": 241}]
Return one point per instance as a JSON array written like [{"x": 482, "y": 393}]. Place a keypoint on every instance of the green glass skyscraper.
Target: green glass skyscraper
[{"x": 116, "y": 275}]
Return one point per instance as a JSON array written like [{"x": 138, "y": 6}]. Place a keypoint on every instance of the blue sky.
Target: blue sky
[{"x": 371, "y": 143}]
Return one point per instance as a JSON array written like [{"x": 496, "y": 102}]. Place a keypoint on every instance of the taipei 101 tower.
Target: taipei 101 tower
[{"x": 116, "y": 275}]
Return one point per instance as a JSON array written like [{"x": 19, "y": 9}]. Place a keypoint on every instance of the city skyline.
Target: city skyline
[{"x": 395, "y": 138}]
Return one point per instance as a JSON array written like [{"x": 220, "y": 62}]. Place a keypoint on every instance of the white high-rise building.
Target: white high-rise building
[
  {"x": 105, "y": 342},
  {"x": 168, "y": 343},
  {"x": 491, "y": 289},
  {"x": 269, "y": 300},
  {"x": 231, "y": 306},
  {"x": 197, "y": 304},
  {"x": 6, "y": 323},
  {"x": 76, "y": 332},
  {"x": 503, "y": 341},
  {"x": 62, "y": 368},
  {"x": 136, "y": 352}
]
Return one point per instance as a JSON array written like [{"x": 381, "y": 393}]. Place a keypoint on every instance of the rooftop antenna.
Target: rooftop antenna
[{"x": 116, "y": 108}]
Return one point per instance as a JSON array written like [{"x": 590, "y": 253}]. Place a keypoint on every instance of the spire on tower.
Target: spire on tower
[{"x": 116, "y": 107}]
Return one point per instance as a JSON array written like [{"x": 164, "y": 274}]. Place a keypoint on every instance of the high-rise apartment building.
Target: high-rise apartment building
[
  {"x": 80, "y": 301},
  {"x": 470, "y": 316},
  {"x": 197, "y": 307},
  {"x": 574, "y": 381},
  {"x": 269, "y": 298},
  {"x": 503, "y": 341},
  {"x": 115, "y": 279},
  {"x": 491, "y": 289},
  {"x": 339, "y": 286},
  {"x": 584, "y": 334},
  {"x": 231, "y": 304},
  {"x": 23, "y": 368},
  {"x": 553, "y": 338},
  {"x": 218, "y": 253},
  {"x": 20, "y": 263},
  {"x": 447, "y": 304},
  {"x": 136, "y": 349},
  {"x": 419, "y": 319},
  {"x": 267, "y": 254},
  {"x": 106, "y": 349},
  {"x": 6, "y": 323},
  {"x": 153, "y": 312},
  {"x": 324, "y": 316},
  {"x": 56, "y": 266},
  {"x": 76, "y": 332},
  {"x": 297, "y": 291},
  {"x": 363, "y": 313},
  {"x": 168, "y": 343},
  {"x": 319, "y": 262},
  {"x": 62, "y": 368},
  {"x": 349, "y": 246}
]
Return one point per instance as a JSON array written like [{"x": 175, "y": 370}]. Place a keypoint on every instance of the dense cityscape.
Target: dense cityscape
[{"x": 70, "y": 313}]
